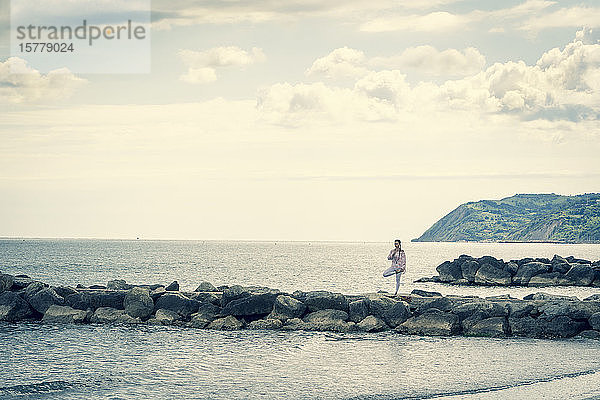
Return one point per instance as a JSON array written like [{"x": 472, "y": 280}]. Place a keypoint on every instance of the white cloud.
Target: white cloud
[
  {"x": 429, "y": 60},
  {"x": 202, "y": 65},
  {"x": 340, "y": 63},
  {"x": 433, "y": 22},
  {"x": 564, "y": 17},
  {"x": 20, "y": 83}
]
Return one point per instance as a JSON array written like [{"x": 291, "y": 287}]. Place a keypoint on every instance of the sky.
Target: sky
[{"x": 304, "y": 120}]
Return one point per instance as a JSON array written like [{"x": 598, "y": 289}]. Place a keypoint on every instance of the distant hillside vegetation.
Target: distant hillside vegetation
[{"x": 523, "y": 217}]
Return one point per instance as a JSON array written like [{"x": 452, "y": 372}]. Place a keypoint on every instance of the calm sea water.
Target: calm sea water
[{"x": 104, "y": 362}]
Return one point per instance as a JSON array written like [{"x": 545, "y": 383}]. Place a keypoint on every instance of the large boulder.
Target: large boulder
[
  {"x": 207, "y": 313},
  {"x": 138, "y": 303},
  {"x": 206, "y": 287},
  {"x": 526, "y": 271},
  {"x": 164, "y": 317},
  {"x": 378, "y": 306},
  {"x": 526, "y": 326},
  {"x": 43, "y": 299},
  {"x": 563, "y": 327},
  {"x": 372, "y": 324},
  {"x": 547, "y": 279},
  {"x": 489, "y": 274},
  {"x": 286, "y": 307},
  {"x": 542, "y": 296},
  {"x": 579, "y": 310},
  {"x": 594, "y": 321},
  {"x": 432, "y": 323},
  {"x": 65, "y": 315},
  {"x": 32, "y": 289},
  {"x": 118, "y": 284},
  {"x": 109, "y": 315},
  {"x": 95, "y": 299},
  {"x": 64, "y": 291},
  {"x": 322, "y": 300},
  {"x": 469, "y": 269},
  {"x": 326, "y": 315},
  {"x": 265, "y": 324},
  {"x": 6, "y": 282},
  {"x": 328, "y": 320},
  {"x": 421, "y": 305},
  {"x": 172, "y": 287},
  {"x": 21, "y": 282},
  {"x": 13, "y": 308},
  {"x": 580, "y": 275},
  {"x": 358, "y": 310},
  {"x": 488, "y": 327},
  {"x": 233, "y": 293},
  {"x": 229, "y": 323},
  {"x": 250, "y": 306},
  {"x": 449, "y": 271},
  {"x": 177, "y": 302}
]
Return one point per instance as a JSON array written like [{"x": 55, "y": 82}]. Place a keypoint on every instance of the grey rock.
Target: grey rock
[
  {"x": 424, "y": 293},
  {"x": 573, "y": 260},
  {"x": 178, "y": 303},
  {"x": 449, "y": 271},
  {"x": 563, "y": 327},
  {"x": 424, "y": 304},
  {"x": 206, "y": 287},
  {"x": 594, "y": 321},
  {"x": 21, "y": 282},
  {"x": 372, "y": 324},
  {"x": 561, "y": 268},
  {"x": 206, "y": 297},
  {"x": 526, "y": 327},
  {"x": 322, "y": 300},
  {"x": 233, "y": 293},
  {"x": 546, "y": 279},
  {"x": 286, "y": 307},
  {"x": 573, "y": 309},
  {"x": 488, "y": 274},
  {"x": 488, "y": 327},
  {"x": 207, "y": 313},
  {"x": 65, "y": 315},
  {"x": 294, "y": 324},
  {"x": 64, "y": 291},
  {"x": 118, "y": 284},
  {"x": 358, "y": 310},
  {"x": 493, "y": 261},
  {"x": 98, "y": 287},
  {"x": 252, "y": 305},
  {"x": 396, "y": 314},
  {"x": 432, "y": 323},
  {"x": 478, "y": 310},
  {"x": 265, "y": 324},
  {"x": 461, "y": 281},
  {"x": 32, "y": 289},
  {"x": 6, "y": 282},
  {"x": 43, "y": 299},
  {"x": 526, "y": 271},
  {"x": 589, "y": 334},
  {"x": 511, "y": 267},
  {"x": 138, "y": 303},
  {"x": 469, "y": 269},
  {"x": 594, "y": 297},
  {"x": 326, "y": 316},
  {"x": 164, "y": 317},
  {"x": 558, "y": 260},
  {"x": 172, "y": 287},
  {"x": 547, "y": 296},
  {"x": 520, "y": 309},
  {"x": 229, "y": 323},
  {"x": 580, "y": 275},
  {"x": 378, "y": 306},
  {"x": 13, "y": 308},
  {"x": 156, "y": 293},
  {"x": 109, "y": 315}
]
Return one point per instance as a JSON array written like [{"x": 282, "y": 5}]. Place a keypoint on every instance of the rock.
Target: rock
[
  {"x": 118, "y": 284},
  {"x": 207, "y": 313},
  {"x": 233, "y": 293},
  {"x": 594, "y": 297},
  {"x": 294, "y": 324},
  {"x": 97, "y": 298},
  {"x": 98, "y": 287},
  {"x": 65, "y": 315},
  {"x": 589, "y": 334},
  {"x": 511, "y": 268},
  {"x": 164, "y": 317},
  {"x": 434, "y": 279},
  {"x": 578, "y": 310},
  {"x": 546, "y": 279},
  {"x": 461, "y": 281},
  {"x": 580, "y": 275},
  {"x": 109, "y": 315},
  {"x": 229, "y": 323},
  {"x": 265, "y": 324},
  {"x": 488, "y": 327},
  {"x": 526, "y": 327},
  {"x": 558, "y": 260},
  {"x": 424, "y": 304},
  {"x": 494, "y": 262},
  {"x": 326, "y": 316},
  {"x": 6, "y": 282},
  {"x": 396, "y": 314},
  {"x": 524, "y": 261},
  {"x": 478, "y": 310},
  {"x": 469, "y": 269},
  {"x": 206, "y": 287},
  {"x": 424, "y": 293},
  {"x": 594, "y": 321},
  {"x": 449, "y": 271},
  {"x": 488, "y": 274},
  {"x": 32, "y": 289},
  {"x": 542, "y": 260},
  {"x": 138, "y": 303},
  {"x": 358, "y": 310},
  {"x": 43, "y": 299},
  {"x": 547, "y": 296},
  {"x": 156, "y": 293},
  {"x": 432, "y": 323},
  {"x": 13, "y": 308},
  {"x": 172, "y": 287},
  {"x": 563, "y": 327},
  {"x": 250, "y": 306},
  {"x": 178, "y": 303},
  {"x": 520, "y": 309},
  {"x": 526, "y": 271},
  {"x": 573, "y": 260},
  {"x": 286, "y": 307},
  {"x": 379, "y": 305},
  {"x": 561, "y": 268},
  {"x": 322, "y": 300},
  {"x": 21, "y": 282},
  {"x": 64, "y": 291},
  {"x": 372, "y": 324}
]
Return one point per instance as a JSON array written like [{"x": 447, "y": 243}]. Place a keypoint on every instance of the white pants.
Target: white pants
[{"x": 391, "y": 271}]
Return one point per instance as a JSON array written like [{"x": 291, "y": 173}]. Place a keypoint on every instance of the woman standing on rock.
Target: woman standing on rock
[{"x": 398, "y": 263}]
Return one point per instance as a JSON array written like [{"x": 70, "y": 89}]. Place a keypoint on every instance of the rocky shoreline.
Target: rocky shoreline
[
  {"x": 235, "y": 307},
  {"x": 533, "y": 272}
]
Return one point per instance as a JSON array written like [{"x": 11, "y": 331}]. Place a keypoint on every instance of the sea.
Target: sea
[{"x": 40, "y": 361}]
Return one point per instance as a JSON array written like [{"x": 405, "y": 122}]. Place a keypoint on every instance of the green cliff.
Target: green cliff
[{"x": 523, "y": 217}]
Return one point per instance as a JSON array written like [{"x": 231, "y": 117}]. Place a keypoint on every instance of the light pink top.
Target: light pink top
[{"x": 398, "y": 259}]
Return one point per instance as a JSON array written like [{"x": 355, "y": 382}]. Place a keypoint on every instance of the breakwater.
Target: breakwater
[
  {"x": 236, "y": 307},
  {"x": 533, "y": 272}
]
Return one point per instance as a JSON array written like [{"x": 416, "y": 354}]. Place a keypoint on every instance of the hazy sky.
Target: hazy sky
[{"x": 306, "y": 120}]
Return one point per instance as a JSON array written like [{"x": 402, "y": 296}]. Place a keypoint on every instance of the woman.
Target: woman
[{"x": 398, "y": 263}]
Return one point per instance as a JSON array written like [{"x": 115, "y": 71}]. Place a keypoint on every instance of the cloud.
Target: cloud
[
  {"x": 20, "y": 83},
  {"x": 564, "y": 17},
  {"x": 429, "y": 60},
  {"x": 433, "y": 22},
  {"x": 340, "y": 63},
  {"x": 564, "y": 84},
  {"x": 202, "y": 65}
]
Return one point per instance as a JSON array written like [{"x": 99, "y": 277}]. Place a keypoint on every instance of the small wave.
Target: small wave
[
  {"x": 37, "y": 388},
  {"x": 477, "y": 391}
]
